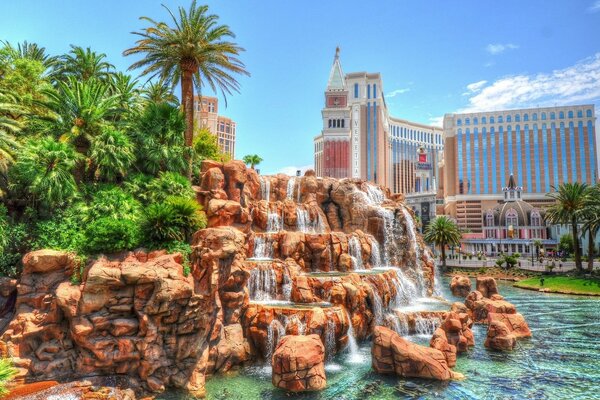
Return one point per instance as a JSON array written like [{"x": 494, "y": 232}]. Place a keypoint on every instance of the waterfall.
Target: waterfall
[
  {"x": 377, "y": 306},
  {"x": 286, "y": 288},
  {"x": 263, "y": 248},
  {"x": 426, "y": 326},
  {"x": 355, "y": 251},
  {"x": 412, "y": 233},
  {"x": 290, "y": 188},
  {"x": 274, "y": 222},
  {"x": 295, "y": 320},
  {"x": 437, "y": 281},
  {"x": 397, "y": 324},
  {"x": 388, "y": 233},
  {"x": 375, "y": 194},
  {"x": 265, "y": 188},
  {"x": 406, "y": 290},
  {"x": 352, "y": 345},
  {"x": 299, "y": 191},
  {"x": 275, "y": 327},
  {"x": 262, "y": 284},
  {"x": 330, "y": 345},
  {"x": 302, "y": 220},
  {"x": 375, "y": 254}
]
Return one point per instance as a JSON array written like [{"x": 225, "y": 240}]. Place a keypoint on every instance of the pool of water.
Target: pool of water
[{"x": 560, "y": 361}]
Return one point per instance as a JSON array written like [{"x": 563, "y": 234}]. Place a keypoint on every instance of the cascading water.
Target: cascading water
[
  {"x": 355, "y": 251},
  {"x": 377, "y": 306},
  {"x": 375, "y": 254},
  {"x": 355, "y": 356},
  {"x": 406, "y": 290},
  {"x": 388, "y": 233},
  {"x": 375, "y": 194},
  {"x": 398, "y": 325},
  {"x": 275, "y": 328},
  {"x": 330, "y": 344},
  {"x": 274, "y": 222},
  {"x": 287, "y": 286},
  {"x": 263, "y": 248},
  {"x": 426, "y": 326},
  {"x": 262, "y": 284},
  {"x": 265, "y": 188},
  {"x": 412, "y": 234},
  {"x": 290, "y": 188},
  {"x": 295, "y": 320},
  {"x": 299, "y": 191},
  {"x": 303, "y": 220}
]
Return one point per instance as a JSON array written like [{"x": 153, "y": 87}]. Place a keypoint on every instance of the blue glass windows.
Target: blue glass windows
[
  {"x": 356, "y": 90},
  {"x": 536, "y": 159},
  {"x": 508, "y": 118},
  {"x": 543, "y": 116},
  {"x": 374, "y": 90},
  {"x": 492, "y": 120},
  {"x": 525, "y": 117},
  {"x": 588, "y": 113},
  {"x": 579, "y": 114},
  {"x": 500, "y": 119},
  {"x": 570, "y": 114},
  {"x": 483, "y": 121},
  {"x": 459, "y": 122},
  {"x": 534, "y": 116}
]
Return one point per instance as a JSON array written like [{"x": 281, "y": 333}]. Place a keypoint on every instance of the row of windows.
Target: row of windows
[
  {"x": 357, "y": 91},
  {"x": 517, "y": 117},
  {"x": 528, "y": 169},
  {"x": 336, "y": 123},
  {"x": 413, "y": 134},
  {"x": 512, "y": 218}
]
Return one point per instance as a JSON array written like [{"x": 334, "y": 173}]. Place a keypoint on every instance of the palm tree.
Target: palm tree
[
  {"x": 8, "y": 126},
  {"x": 570, "y": 203},
  {"x": 592, "y": 222},
  {"x": 537, "y": 244},
  {"x": 83, "y": 64},
  {"x": 111, "y": 154},
  {"x": 30, "y": 51},
  {"x": 252, "y": 160},
  {"x": 442, "y": 231},
  {"x": 126, "y": 89},
  {"x": 158, "y": 92},
  {"x": 195, "y": 51}
]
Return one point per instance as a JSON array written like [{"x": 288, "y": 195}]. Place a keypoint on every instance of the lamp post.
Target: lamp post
[{"x": 531, "y": 251}]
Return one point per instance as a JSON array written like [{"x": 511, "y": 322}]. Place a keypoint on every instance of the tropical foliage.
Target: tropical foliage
[
  {"x": 7, "y": 373},
  {"x": 442, "y": 231},
  {"x": 252, "y": 160}
]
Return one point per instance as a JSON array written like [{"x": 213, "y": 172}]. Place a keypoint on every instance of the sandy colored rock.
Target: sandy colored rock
[
  {"x": 487, "y": 286},
  {"x": 393, "y": 354},
  {"x": 298, "y": 364},
  {"x": 515, "y": 323},
  {"x": 499, "y": 337},
  {"x": 460, "y": 285}
]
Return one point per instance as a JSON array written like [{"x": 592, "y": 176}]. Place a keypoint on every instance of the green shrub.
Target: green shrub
[
  {"x": 63, "y": 231},
  {"x": 137, "y": 185},
  {"x": 175, "y": 219},
  {"x": 114, "y": 203},
  {"x": 17, "y": 243},
  {"x": 189, "y": 214},
  {"x": 3, "y": 228},
  {"x": 169, "y": 184},
  {"x": 112, "y": 154},
  {"x": 7, "y": 373},
  {"x": 110, "y": 235}
]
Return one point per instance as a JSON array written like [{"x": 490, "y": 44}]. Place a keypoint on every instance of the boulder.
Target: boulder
[
  {"x": 486, "y": 285},
  {"x": 460, "y": 285},
  {"x": 499, "y": 337},
  {"x": 298, "y": 364},
  {"x": 480, "y": 306},
  {"x": 515, "y": 323},
  {"x": 393, "y": 354}
]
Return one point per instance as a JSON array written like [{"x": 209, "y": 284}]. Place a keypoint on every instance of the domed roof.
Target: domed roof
[{"x": 512, "y": 207}]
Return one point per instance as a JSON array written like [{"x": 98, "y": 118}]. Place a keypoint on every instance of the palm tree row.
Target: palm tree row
[{"x": 577, "y": 204}]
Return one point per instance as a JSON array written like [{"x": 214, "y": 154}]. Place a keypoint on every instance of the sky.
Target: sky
[{"x": 435, "y": 57}]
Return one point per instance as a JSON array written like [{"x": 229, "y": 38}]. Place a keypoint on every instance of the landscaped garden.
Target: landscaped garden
[{"x": 562, "y": 284}]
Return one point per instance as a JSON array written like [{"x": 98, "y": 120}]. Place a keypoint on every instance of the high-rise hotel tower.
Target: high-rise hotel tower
[
  {"x": 541, "y": 147},
  {"x": 360, "y": 139}
]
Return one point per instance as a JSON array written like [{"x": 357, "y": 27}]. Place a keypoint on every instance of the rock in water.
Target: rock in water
[
  {"x": 393, "y": 354},
  {"x": 487, "y": 286},
  {"x": 499, "y": 337},
  {"x": 298, "y": 364},
  {"x": 460, "y": 285}
]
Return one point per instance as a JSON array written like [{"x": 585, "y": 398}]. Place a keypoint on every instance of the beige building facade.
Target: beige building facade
[{"x": 206, "y": 112}]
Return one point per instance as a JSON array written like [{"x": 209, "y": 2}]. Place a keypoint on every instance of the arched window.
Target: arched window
[
  {"x": 570, "y": 114},
  {"x": 534, "y": 116},
  {"x": 483, "y": 120},
  {"x": 489, "y": 218},
  {"x": 467, "y": 121},
  {"x": 492, "y": 120},
  {"x": 508, "y": 118},
  {"x": 579, "y": 114},
  {"x": 525, "y": 117},
  {"x": 552, "y": 115},
  {"x": 343, "y": 123},
  {"x": 536, "y": 218},
  {"x": 500, "y": 119},
  {"x": 561, "y": 115},
  {"x": 588, "y": 113},
  {"x": 475, "y": 121},
  {"x": 330, "y": 123},
  {"x": 356, "y": 90},
  {"x": 543, "y": 116},
  {"x": 518, "y": 118},
  {"x": 512, "y": 218}
]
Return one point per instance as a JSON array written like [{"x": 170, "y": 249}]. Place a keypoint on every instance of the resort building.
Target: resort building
[
  {"x": 539, "y": 148},
  {"x": 359, "y": 139},
  {"x": 206, "y": 112}
]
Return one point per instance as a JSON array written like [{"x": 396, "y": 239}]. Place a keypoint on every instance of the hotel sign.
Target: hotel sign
[{"x": 355, "y": 138}]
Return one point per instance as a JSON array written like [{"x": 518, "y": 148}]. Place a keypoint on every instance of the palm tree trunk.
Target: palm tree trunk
[
  {"x": 576, "y": 245},
  {"x": 444, "y": 256},
  {"x": 187, "y": 99},
  {"x": 590, "y": 251}
]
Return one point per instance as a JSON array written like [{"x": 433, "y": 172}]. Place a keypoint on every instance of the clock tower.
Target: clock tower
[{"x": 336, "y": 124}]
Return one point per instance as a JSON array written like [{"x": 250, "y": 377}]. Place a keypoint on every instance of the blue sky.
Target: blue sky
[{"x": 435, "y": 56}]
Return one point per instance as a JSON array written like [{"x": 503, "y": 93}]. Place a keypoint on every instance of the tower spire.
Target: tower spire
[{"x": 336, "y": 76}]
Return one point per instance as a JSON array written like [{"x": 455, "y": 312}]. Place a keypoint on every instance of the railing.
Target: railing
[{"x": 522, "y": 263}]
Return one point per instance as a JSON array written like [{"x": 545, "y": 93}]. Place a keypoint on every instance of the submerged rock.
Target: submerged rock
[{"x": 460, "y": 285}]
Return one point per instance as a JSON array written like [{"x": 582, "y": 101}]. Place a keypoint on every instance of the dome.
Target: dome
[{"x": 513, "y": 211}]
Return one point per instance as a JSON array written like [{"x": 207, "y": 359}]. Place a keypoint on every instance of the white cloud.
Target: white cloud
[
  {"x": 396, "y": 92},
  {"x": 595, "y": 7},
  {"x": 436, "y": 121},
  {"x": 498, "y": 48},
  {"x": 291, "y": 170},
  {"x": 574, "y": 84},
  {"x": 476, "y": 86}
]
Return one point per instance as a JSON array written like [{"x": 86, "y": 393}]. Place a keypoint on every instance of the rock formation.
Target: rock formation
[
  {"x": 460, "y": 285},
  {"x": 298, "y": 364},
  {"x": 391, "y": 354},
  {"x": 499, "y": 337},
  {"x": 453, "y": 336}
]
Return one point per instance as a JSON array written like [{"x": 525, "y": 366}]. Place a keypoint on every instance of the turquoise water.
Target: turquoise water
[{"x": 561, "y": 361}]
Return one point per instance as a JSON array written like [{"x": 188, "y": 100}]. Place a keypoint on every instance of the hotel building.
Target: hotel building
[
  {"x": 206, "y": 112},
  {"x": 359, "y": 139},
  {"x": 538, "y": 148}
]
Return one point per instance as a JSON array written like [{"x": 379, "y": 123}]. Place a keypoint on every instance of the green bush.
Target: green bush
[
  {"x": 7, "y": 373},
  {"x": 137, "y": 185},
  {"x": 114, "y": 203},
  {"x": 169, "y": 184},
  {"x": 3, "y": 228},
  {"x": 175, "y": 219},
  {"x": 16, "y": 245},
  {"x": 110, "y": 235},
  {"x": 63, "y": 231}
]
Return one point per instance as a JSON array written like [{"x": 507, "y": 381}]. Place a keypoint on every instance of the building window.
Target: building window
[
  {"x": 483, "y": 121},
  {"x": 489, "y": 219},
  {"x": 508, "y": 118},
  {"x": 536, "y": 219},
  {"x": 518, "y": 118},
  {"x": 588, "y": 113},
  {"x": 368, "y": 91},
  {"x": 525, "y": 117},
  {"x": 492, "y": 120},
  {"x": 512, "y": 217},
  {"x": 561, "y": 115},
  {"x": 459, "y": 122},
  {"x": 570, "y": 114},
  {"x": 579, "y": 114},
  {"x": 500, "y": 119},
  {"x": 534, "y": 116},
  {"x": 543, "y": 116},
  {"x": 356, "y": 90},
  {"x": 552, "y": 115},
  {"x": 475, "y": 121},
  {"x": 467, "y": 121},
  {"x": 374, "y": 91}
]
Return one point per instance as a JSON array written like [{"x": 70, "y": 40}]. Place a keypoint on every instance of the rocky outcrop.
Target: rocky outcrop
[
  {"x": 487, "y": 286},
  {"x": 453, "y": 336},
  {"x": 515, "y": 323},
  {"x": 460, "y": 285},
  {"x": 298, "y": 364},
  {"x": 499, "y": 337},
  {"x": 391, "y": 354}
]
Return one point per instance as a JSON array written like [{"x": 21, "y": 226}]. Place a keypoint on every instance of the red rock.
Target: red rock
[
  {"x": 460, "y": 285},
  {"x": 298, "y": 364},
  {"x": 499, "y": 337},
  {"x": 487, "y": 286},
  {"x": 393, "y": 354},
  {"x": 515, "y": 323}
]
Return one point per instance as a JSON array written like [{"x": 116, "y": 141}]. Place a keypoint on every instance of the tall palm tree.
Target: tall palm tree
[
  {"x": 158, "y": 92},
  {"x": 252, "y": 160},
  {"x": 592, "y": 221},
  {"x": 84, "y": 64},
  {"x": 442, "y": 231},
  {"x": 8, "y": 127},
  {"x": 31, "y": 51},
  {"x": 570, "y": 203},
  {"x": 196, "y": 51}
]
